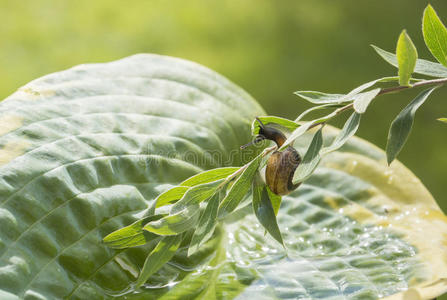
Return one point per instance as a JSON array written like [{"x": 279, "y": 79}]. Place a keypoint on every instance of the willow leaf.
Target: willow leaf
[
  {"x": 209, "y": 176},
  {"x": 206, "y": 225},
  {"x": 310, "y": 160},
  {"x": 263, "y": 209},
  {"x": 406, "y": 58},
  {"x": 162, "y": 253},
  {"x": 401, "y": 127},
  {"x": 132, "y": 235},
  {"x": 240, "y": 187},
  {"x": 423, "y": 66},
  {"x": 435, "y": 35},
  {"x": 349, "y": 129},
  {"x": 363, "y": 100}
]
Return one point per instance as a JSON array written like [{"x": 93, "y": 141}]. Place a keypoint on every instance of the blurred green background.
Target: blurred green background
[{"x": 269, "y": 47}]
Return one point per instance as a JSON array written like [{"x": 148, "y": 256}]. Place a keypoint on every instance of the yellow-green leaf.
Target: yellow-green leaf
[
  {"x": 435, "y": 35},
  {"x": 406, "y": 58}
]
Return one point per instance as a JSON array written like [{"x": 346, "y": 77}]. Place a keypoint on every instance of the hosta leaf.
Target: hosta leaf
[
  {"x": 85, "y": 151},
  {"x": 209, "y": 176},
  {"x": 240, "y": 187},
  {"x": 363, "y": 100},
  {"x": 435, "y": 35},
  {"x": 401, "y": 127},
  {"x": 162, "y": 253},
  {"x": 132, "y": 235},
  {"x": 423, "y": 66},
  {"x": 310, "y": 159},
  {"x": 263, "y": 209},
  {"x": 206, "y": 225},
  {"x": 348, "y": 130},
  {"x": 407, "y": 55}
]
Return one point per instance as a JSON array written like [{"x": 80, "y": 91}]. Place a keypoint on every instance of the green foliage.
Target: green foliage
[
  {"x": 435, "y": 35},
  {"x": 407, "y": 55},
  {"x": 348, "y": 130},
  {"x": 263, "y": 208},
  {"x": 310, "y": 160},
  {"x": 423, "y": 67},
  {"x": 443, "y": 120},
  {"x": 132, "y": 235},
  {"x": 206, "y": 225},
  {"x": 162, "y": 253},
  {"x": 239, "y": 188},
  {"x": 352, "y": 194},
  {"x": 401, "y": 127},
  {"x": 363, "y": 101}
]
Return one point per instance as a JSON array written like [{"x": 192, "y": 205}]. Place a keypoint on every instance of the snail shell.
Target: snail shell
[{"x": 280, "y": 169}]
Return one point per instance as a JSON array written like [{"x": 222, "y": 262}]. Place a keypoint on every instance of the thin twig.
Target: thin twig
[{"x": 440, "y": 81}]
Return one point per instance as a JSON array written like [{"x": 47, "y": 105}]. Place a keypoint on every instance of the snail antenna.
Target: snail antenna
[
  {"x": 257, "y": 139},
  {"x": 260, "y": 123}
]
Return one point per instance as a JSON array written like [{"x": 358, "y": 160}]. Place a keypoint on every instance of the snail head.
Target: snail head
[{"x": 267, "y": 133}]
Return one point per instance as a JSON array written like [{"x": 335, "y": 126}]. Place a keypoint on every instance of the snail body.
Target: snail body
[{"x": 281, "y": 165}]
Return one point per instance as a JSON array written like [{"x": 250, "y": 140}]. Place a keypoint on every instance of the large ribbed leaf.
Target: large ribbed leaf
[{"x": 84, "y": 150}]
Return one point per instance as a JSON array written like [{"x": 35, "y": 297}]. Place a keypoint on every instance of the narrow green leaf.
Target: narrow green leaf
[
  {"x": 170, "y": 196},
  {"x": 319, "y": 107},
  {"x": 423, "y": 66},
  {"x": 443, "y": 120},
  {"x": 319, "y": 97},
  {"x": 195, "y": 195},
  {"x": 132, "y": 235},
  {"x": 349, "y": 129},
  {"x": 298, "y": 132},
  {"x": 209, "y": 176},
  {"x": 276, "y": 121},
  {"x": 207, "y": 223},
  {"x": 310, "y": 160},
  {"x": 406, "y": 58},
  {"x": 263, "y": 209},
  {"x": 275, "y": 199},
  {"x": 175, "y": 223},
  {"x": 239, "y": 188},
  {"x": 162, "y": 253},
  {"x": 401, "y": 127},
  {"x": 363, "y": 100},
  {"x": 435, "y": 35},
  {"x": 355, "y": 93}
]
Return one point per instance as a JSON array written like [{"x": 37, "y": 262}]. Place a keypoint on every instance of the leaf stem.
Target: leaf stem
[
  {"x": 440, "y": 81},
  {"x": 241, "y": 169}
]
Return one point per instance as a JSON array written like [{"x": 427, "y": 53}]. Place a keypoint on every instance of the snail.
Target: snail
[{"x": 281, "y": 165}]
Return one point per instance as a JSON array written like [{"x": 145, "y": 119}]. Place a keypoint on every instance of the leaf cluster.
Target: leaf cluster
[{"x": 190, "y": 212}]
